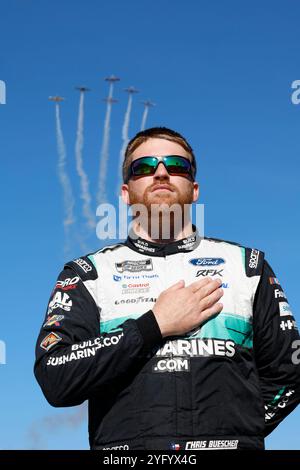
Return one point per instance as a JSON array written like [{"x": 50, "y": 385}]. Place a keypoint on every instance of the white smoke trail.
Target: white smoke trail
[
  {"x": 144, "y": 118},
  {"x": 64, "y": 179},
  {"x": 84, "y": 182},
  {"x": 125, "y": 138},
  {"x": 45, "y": 426},
  {"x": 104, "y": 150}
]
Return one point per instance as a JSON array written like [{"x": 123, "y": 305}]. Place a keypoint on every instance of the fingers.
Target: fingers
[
  {"x": 211, "y": 311},
  {"x": 175, "y": 286},
  {"x": 195, "y": 286},
  {"x": 208, "y": 288},
  {"x": 210, "y": 299}
]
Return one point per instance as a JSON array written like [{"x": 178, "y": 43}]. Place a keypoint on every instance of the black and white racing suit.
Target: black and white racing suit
[{"x": 226, "y": 384}]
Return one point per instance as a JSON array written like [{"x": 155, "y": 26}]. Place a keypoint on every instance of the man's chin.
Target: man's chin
[{"x": 162, "y": 197}]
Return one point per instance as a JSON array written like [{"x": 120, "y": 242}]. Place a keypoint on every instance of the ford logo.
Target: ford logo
[{"x": 207, "y": 261}]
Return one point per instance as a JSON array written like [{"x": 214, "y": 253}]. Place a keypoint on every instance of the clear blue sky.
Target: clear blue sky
[{"x": 220, "y": 73}]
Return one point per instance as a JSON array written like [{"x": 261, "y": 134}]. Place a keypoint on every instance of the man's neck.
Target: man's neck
[{"x": 146, "y": 234}]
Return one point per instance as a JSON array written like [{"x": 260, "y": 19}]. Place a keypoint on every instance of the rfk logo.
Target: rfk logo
[{"x": 209, "y": 272}]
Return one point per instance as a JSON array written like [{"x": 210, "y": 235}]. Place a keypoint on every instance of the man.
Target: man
[{"x": 177, "y": 341}]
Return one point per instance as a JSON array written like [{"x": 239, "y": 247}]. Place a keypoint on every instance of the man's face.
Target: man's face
[{"x": 161, "y": 187}]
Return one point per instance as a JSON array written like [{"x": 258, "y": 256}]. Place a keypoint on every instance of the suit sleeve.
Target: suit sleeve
[
  {"x": 73, "y": 359},
  {"x": 276, "y": 339}
]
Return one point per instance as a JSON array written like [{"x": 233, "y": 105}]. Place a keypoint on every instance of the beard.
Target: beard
[{"x": 164, "y": 214}]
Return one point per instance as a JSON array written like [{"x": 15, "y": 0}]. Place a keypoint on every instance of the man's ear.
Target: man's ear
[
  {"x": 196, "y": 192},
  {"x": 125, "y": 194}
]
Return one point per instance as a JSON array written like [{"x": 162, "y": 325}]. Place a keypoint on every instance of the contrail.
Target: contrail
[
  {"x": 147, "y": 105},
  {"x": 102, "y": 197},
  {"x": 125, "y": 133},
  {"x": 47, "y": 425},
  {"x": 145, "y": 114},
  {"x": 84, "y": 182},
  {"x": 63, "y": 177}
]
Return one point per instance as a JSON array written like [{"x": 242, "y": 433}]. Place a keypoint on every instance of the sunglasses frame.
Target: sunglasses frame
[{"x": 191, "y": 171}]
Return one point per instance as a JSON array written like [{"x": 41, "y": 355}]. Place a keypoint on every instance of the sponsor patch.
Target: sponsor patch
[
  {"x": 121, "y": 447},
  {"x": 134, "y": 266},
  {"x": 206, "y": 261},
  {"x": 188, "y": 243},
  {"x": 136, "y": 277},
  {"x": 284, "y": 309},
  {"x": 279, "y": 294},
  {"x": 135, "y": 288},
  {"x": 253, "y": 261},
  {"x": 85, "y": 349},
  {"x": 210, "y": 272},
  {"x": 288, "y": 325},
  {"x": 143, "y": 246},
  {"x": 274, "y": 280},
  {"x": 67, "y": 284},
  {"x": 54, "y": 320},
  {"x": 60, "y": 300},
  {"x": 135, "y": 301},
  {"x": 185, "y": 349},
  {"x": 85, "y": 266},
  {"x": 50, "y": 340},
  {"x": 174, "y": 364}
]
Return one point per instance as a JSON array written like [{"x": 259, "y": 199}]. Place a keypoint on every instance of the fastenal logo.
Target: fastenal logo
[
  {"x": 2, "y": 353},
  {"x": 2, "y": 92}
]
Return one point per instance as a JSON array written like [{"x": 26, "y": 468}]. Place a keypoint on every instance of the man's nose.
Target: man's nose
[{"x": 161, "y": 171}]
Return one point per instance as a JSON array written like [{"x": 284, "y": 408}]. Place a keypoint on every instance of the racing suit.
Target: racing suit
[{"x": 226, "y": 384}]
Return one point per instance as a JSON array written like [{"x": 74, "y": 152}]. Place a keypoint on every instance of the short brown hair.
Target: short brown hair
[{"x": 160, "y": 133}]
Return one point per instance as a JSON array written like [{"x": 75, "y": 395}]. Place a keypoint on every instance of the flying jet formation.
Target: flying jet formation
[
  {"x": 131, "y": 89},
  {"x": 57, "y": 99},
  {"x": 82, "y": 88},
  {"x": 112, "y": 79},
  {"x": 148, "y": 103}
]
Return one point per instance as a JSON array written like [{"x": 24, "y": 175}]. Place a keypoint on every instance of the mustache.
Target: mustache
[{"x": 164, "y": 185}]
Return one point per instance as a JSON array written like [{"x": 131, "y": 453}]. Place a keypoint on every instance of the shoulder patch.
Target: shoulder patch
[
  {"x": 84, "y": 267},
  {"x": 254, "y": 260}
]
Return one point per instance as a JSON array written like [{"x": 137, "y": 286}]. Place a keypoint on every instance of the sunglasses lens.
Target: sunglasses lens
[
  {"x": 144, "y": 166},
  {"x": 177, "y": 165}
]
